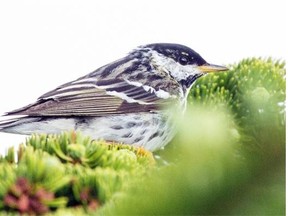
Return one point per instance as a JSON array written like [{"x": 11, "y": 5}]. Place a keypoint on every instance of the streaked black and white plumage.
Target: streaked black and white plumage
[{"x": 122, "y": 101}]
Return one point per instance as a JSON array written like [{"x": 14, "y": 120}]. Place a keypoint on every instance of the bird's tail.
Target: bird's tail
[{"x": 14, "y": 124}]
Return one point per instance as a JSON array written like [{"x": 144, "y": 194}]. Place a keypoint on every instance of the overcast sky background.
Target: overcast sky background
[{"x": 46, "y": 43}]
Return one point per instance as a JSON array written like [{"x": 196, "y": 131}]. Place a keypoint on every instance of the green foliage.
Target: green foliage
[
  {"x": 254, "y": 91},
  {"x": 68, "y": 170},
  {"x": 228, "y": 158},
  {"x": 252, "y": 79}
]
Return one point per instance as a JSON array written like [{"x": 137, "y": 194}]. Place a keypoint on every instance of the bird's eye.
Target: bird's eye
[{"x": 183, "y": 60}]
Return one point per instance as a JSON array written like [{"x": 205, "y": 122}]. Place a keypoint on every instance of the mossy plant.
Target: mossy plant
[
  {"x": 254, "y": 92},
  {"x": 67, "y": 170}
]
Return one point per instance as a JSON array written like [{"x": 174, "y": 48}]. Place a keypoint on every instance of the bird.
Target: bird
[{"x": 126, "y": 101}]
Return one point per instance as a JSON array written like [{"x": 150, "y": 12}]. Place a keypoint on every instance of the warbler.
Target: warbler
[{"x": 124, "y": 101}]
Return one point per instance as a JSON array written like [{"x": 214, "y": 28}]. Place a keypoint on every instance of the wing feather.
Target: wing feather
[
  {"x": 95, "y": 101},
  {"x": 95, "y": 95}
]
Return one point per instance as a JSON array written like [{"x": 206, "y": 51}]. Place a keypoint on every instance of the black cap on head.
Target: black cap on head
[{"x": 181, "y": 54}]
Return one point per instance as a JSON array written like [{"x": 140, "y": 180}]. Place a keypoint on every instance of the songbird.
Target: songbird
[{"x": 125, "y": 101}]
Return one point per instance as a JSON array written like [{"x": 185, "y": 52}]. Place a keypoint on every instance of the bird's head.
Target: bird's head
[{"x": 182, "y": 63}]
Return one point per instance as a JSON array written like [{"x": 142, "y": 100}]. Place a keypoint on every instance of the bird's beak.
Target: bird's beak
[{"x": 208, "y": 68}]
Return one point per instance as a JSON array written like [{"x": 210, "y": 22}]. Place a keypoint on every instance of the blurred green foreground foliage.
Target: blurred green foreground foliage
[{"x": 227, "y": 159}]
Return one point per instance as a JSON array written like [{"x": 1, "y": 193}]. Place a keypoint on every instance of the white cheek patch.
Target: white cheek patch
[
  {"x": 182, "y": 72},
  {"x": 178, "y": 71}
]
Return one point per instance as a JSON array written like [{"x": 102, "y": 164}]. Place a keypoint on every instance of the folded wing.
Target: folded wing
[{"x": 89, "y": 97}]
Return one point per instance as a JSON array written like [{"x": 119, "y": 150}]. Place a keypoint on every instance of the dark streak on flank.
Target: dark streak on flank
[
  {"x": 79, "y": 122},
  {"x": 127, "y": 135},
  {"x": 153, "y": 136},
  {"x": 117, "y": 127},
  {"x": 138, "y": 139}
]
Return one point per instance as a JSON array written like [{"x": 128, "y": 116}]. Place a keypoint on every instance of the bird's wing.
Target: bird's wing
[
  {"x": 88, "y": 96},
  {"x": 115, "y": 88}
]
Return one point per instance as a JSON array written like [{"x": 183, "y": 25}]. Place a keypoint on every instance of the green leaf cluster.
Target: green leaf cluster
[
  {"x": 254, "y": 91},
  {"x": 70, "y": 169}
]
